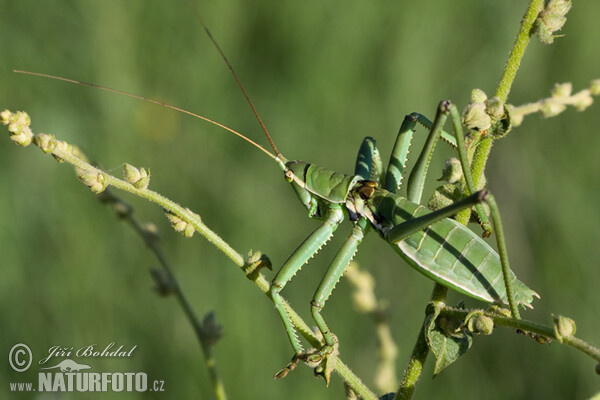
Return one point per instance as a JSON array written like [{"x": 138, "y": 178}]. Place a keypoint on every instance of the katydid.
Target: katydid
[{"x": 429, "y": 241}]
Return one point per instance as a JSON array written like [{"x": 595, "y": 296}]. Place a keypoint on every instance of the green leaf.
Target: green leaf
[{"x": 447, "y": 343}]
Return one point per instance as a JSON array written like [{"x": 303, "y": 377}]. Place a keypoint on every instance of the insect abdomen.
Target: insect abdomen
[{"x": 450, "y": 254}]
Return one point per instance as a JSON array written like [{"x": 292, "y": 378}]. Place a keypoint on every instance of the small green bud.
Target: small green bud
[
  {"x": 5, "y": 116},
  {"x": 478, "y": 96},
  {"x": 23, "y": 138},
  {"x": 17, "y": 121},
  {"x": 61, "y": 147},
  {"x": 18, "y": 127},
  {"x": 551, "y": 19},
  {"x": 563, "y": 327},
  {"x": 554, "y": 14},
  {"x": 475, "y": 117},
  {"x": 140, "y": 178},
  {"x": 494, "y": 108},
  {"x": 96, "y": 181},
  {"x": 562, "y": 89},
  {"x": 131, "y": 173},
  {"x": 479, "y": 324},
  {"x": 144, "y": 180},
  {"x": 443, "y": 196},
  {"x": 452, "y": 172},
  {"x": 45, "y": 142},
  {"x": 551, "y": 107},
  {"x": 176, "y": 222},
  {"x": 542, "y": 32},
  {"x": 584, "y": 100},
  {"x": 180, "y": 225},
  {"x": 595, "y": 87}
]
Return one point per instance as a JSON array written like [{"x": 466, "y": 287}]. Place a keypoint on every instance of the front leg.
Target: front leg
[{"x": 299, "y": 257}]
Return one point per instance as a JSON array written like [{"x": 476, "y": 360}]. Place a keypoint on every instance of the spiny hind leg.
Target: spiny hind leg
[
  {"x": 399, "y": 156},
  {"x": 416, "y": 179}
]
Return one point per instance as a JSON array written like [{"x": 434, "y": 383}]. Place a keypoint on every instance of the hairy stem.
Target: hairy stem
[
  {"x": 202, "y": 334},
  {"x": 529, "y": 327},
  {"x": 413, "y": 370},
  {"x": 64, "y": 152},
  {"x": 420, "y": 350},
  {"x": 482, "y": 152}
]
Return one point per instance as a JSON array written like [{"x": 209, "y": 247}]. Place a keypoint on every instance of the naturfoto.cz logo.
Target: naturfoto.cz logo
[{"x": 68, "y": 375}]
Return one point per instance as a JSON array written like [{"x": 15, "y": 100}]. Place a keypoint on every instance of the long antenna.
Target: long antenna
[
  {"x": 135, "y": 96},
  {"x": 239, "y": 83}
]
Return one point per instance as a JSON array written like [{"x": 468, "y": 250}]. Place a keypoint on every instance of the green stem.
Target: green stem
[
  {"x": 151, "y": 242},
  {"x": 413, "y": 370},
  {"x": 154, "y": 197},
  {"x": 484, "y": 147},
  {"x": 415, "y": 365},
  {"x": 346, "y": 374},
  {"x": 518, "y": 50},
  {"x": 527, "y": 326}
]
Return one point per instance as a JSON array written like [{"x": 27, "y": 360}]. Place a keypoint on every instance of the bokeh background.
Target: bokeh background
[{"x": 323, "y": 75}]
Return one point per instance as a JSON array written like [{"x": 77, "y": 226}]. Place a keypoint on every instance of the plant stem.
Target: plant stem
[
  {"x": 518, "y": 50},
  {"x": 527, "y": 326},
  {"x": 413, "y": 370},
  {"x": 482, "y": 152},
  {"x": 420, "y": 350},
  {"x": 347, "y": 375}
]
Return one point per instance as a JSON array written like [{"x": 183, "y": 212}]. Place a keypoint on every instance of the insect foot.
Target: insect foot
[
  {"x": 322, "y": 360},
  {"x": 288, "y": 368}
]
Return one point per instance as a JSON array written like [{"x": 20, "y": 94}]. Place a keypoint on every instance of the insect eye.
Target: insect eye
[{"x": 366, "y": 191}]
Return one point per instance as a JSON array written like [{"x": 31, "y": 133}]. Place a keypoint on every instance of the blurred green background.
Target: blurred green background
[{"x": 323, "y": 75}]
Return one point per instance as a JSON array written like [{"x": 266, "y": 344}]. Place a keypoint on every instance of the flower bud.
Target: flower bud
[
  {"x": 96, "y": 181},
  {"x": 479, "y": 324},
  {"x": 562, "y": 89},
  {"x": 23, "y": 138},
  {"x": 18, "y": 127},
  {"x": 45, "y": 142},
  {"x": 5, "y": 116},
  {"x": 494, "y": 108},
  {"x": 551, "y": 107},
  {"x": 584, "y": 100},
  {"x": 478, "y": 96},
  {"x": 563, "y": 327},
  {"x": 443, "y": 196},
  {"x": 140, "y": 178},
  {"x": 475, "y": 117},
  {"x": 452, "y": 172},
  {"x": 551, "y": 19},
  {"x": 180, "y": 225}
]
